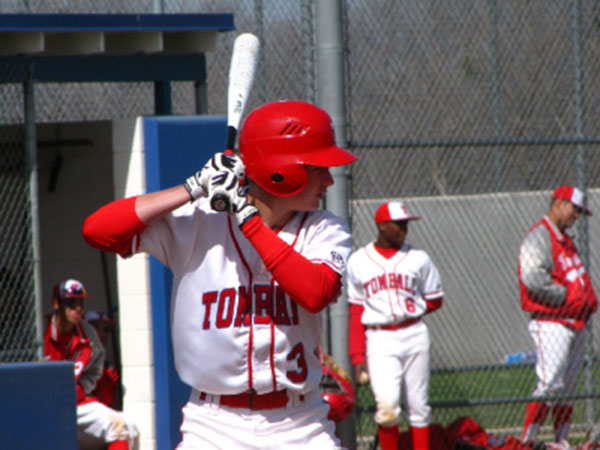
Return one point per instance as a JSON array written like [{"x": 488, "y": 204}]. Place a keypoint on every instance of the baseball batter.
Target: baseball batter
[
  {"x": 249, "y": 283},
  {"x": 69, "y": 338},
  {"x": 558, "y": 294},
  {"x": 391, "y": 286}
]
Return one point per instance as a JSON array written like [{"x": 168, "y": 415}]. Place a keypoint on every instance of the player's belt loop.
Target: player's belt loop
[{"x": 251, "y": 398}]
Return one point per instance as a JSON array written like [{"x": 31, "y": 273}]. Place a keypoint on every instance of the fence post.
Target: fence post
[
  {"x": 330, "y": 94},
  {"x": 580, "y": 168},
  {"x": 32, "y": 167}
]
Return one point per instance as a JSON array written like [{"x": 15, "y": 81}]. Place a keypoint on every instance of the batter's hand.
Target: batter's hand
[
  {"x": 199, "y": 184},
  {"x": 241, "y": 209},
  {"x": 227, "y": 162},
  {"x": 226, "y": 184}
]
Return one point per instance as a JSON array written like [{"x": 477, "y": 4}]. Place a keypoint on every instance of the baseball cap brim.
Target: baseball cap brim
[
  {"x": 76, "y": 295},
  {"x": 393, "y": 212},
  {"x": 573, "y": 195}
]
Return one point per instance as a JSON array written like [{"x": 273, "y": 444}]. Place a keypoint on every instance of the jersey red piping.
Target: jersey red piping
[
  {"x": 251, "y": 335},
  {"x": 272, "y": 325},
  {"x": 389, "y": 295}
]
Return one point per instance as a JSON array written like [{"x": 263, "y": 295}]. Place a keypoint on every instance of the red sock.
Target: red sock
[
  {"x": 118, "y": 445},
  {"x": 389, "y": 437},
  {"x": 561, "y": 420},
  {"x": 534, "y": 417},
  {"x": 420, "y": 438}
]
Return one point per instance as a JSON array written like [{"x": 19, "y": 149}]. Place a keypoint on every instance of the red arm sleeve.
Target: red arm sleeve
[
  {"x": 312, "y": 286},
  {"x": 113, "y": 226},
  {"x": 357, "y": 344},
  {"x": 433, "y": 305}
]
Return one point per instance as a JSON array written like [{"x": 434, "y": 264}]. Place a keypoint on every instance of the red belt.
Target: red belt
[
  {"x": 251, "y": 400},
  {"x": 394, "y": 326}
]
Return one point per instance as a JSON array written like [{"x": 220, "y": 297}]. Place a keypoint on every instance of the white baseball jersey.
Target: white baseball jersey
[
  {"x": 394, "y": 289},
  {"x": 233, "y": 327}
]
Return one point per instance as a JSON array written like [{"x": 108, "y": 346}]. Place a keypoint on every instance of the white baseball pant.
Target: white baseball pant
[
  {"x": 560, "y": 352},
  {"x": 398, "y": 362},
  {"x": 301, "y": 424}
]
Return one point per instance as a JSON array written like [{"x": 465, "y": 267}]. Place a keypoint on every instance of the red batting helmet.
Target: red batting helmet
[
  {"x": 279, "y": 138},
  {"x": 338, "y": 392}
]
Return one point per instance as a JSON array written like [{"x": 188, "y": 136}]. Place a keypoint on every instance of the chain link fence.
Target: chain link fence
[
  {"x": 470, "y": 112},
  {"x": 17, "y": 305}
]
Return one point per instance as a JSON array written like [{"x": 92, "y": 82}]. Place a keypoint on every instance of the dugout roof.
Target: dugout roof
[{"x": 107, "y": 47}]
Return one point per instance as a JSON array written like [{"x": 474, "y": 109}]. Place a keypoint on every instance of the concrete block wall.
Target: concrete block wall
[{"x": 133, "y": 286}]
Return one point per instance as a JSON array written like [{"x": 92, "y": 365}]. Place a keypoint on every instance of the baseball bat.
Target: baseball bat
[{"x": 242, "y": 69}]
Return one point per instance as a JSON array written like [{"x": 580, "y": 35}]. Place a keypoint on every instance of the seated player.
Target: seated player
[{"x": 68, "y": 338}]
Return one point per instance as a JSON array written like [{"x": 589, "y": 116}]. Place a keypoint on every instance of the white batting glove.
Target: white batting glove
[
  {"x": 228, "y": 186},
  {"x": 220, "y": 184},
  {"x": 227, "y": 161},
  {"x": 242, "y": 210},
  {"x": 198, "y": 185}
]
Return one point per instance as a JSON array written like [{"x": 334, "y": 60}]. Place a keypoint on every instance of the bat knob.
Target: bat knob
[{"x": 219, "y": 202}]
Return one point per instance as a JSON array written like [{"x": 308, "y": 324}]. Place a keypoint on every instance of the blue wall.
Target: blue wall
[
  {"x": 175, "y": 147},
  {"x": 38, "y": 406}
]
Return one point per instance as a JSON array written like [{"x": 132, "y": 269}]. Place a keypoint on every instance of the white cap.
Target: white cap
[{"x": 393, "y": 211}]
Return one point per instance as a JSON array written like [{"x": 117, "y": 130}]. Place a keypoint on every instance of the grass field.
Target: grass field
[{"x": 494, "y": 396}]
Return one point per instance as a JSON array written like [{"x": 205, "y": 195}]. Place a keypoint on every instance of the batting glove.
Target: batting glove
[
  {"x": 235, "y": 193},
  {"x": 199, "y": 184},
  {"x": 220, "y": 184},
  {"x": 228, "y": 162},
  {"x": 242, "y": 210}
]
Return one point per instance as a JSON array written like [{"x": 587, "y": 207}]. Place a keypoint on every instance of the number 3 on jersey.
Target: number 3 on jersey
[{"x": 297, "y": 354}]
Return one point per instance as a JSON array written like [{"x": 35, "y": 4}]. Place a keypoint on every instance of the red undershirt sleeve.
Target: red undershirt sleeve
[
  {"x": 113, "y": 226},
  {"x": 433, "y": 305},
  {"x": 357, "y": 342},
  {"x": 312, "y": 286}
]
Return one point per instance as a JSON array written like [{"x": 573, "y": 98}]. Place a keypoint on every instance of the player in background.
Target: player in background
[
  {"x": 69, "y": 338},
  {"x": 107, "y": 385},
  {"x": 391, "y": 286},
  {"x": 249, "y": 283},
  {"x": 558, "y": 294}
]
